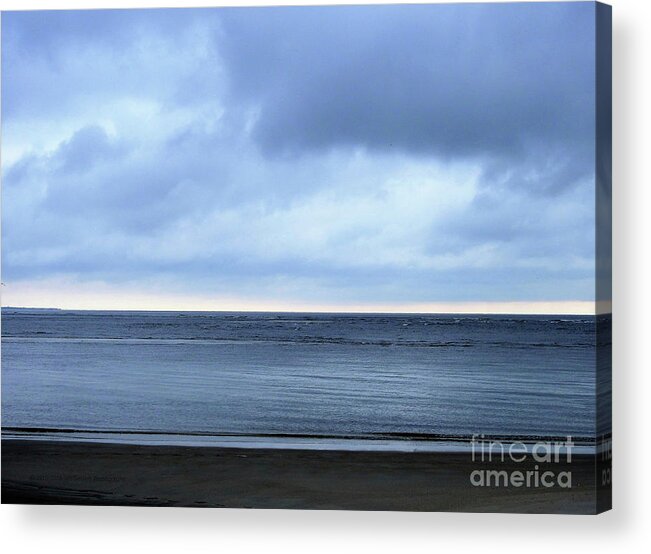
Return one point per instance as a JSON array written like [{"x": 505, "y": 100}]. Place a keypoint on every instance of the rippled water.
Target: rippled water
[{"x": 299, "y": 373}]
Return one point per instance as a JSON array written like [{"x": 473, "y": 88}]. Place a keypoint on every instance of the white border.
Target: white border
[{"x": 111, "y": 530}]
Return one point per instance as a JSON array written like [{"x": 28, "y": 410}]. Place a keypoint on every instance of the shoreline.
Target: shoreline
[
  {"x": 91, "y": 473},
  {"x": 372, "y": 442}
]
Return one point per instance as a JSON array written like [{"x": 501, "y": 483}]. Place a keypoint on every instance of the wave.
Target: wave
[
  {"x": 301, "y": 340},
  {"x": 508, "y": 438}
]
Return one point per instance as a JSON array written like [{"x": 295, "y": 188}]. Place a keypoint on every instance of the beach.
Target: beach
[{"x": 60, "y": 472}]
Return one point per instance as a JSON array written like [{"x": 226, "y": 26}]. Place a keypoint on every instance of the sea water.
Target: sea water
[{"x": 341, "y": 376}]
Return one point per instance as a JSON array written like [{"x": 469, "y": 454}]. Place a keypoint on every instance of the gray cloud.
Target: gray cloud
[
  {"x": 414, "y": 153},
  {"x": 437, "y": 80}
]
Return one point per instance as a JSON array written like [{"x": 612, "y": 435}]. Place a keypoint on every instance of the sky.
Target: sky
[{"x": 382, "y": 158}]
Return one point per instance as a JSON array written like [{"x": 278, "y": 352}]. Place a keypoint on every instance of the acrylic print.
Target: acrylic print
[{"x": 345, "y": 257}]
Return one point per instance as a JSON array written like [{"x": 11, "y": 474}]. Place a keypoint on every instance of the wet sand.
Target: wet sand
[{"x": 58, "y": 472}]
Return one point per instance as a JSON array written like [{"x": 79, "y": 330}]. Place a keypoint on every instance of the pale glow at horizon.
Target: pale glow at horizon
[{"x": 100, "y": 296}]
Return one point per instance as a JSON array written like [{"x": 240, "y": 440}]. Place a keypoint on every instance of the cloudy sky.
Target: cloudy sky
[{"x": 403, "y": 158}]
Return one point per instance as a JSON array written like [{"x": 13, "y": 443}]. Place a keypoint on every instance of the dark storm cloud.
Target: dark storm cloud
[{"x": 499, "y": 81}]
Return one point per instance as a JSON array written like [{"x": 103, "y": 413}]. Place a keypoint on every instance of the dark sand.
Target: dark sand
[{"x": 44, "y": 472}]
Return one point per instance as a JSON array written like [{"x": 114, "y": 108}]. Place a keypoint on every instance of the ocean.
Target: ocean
[{"x": 308, "y": 376}]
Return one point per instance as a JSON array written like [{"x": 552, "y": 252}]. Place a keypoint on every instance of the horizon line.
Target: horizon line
[{"x": 300, "y": 311}]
